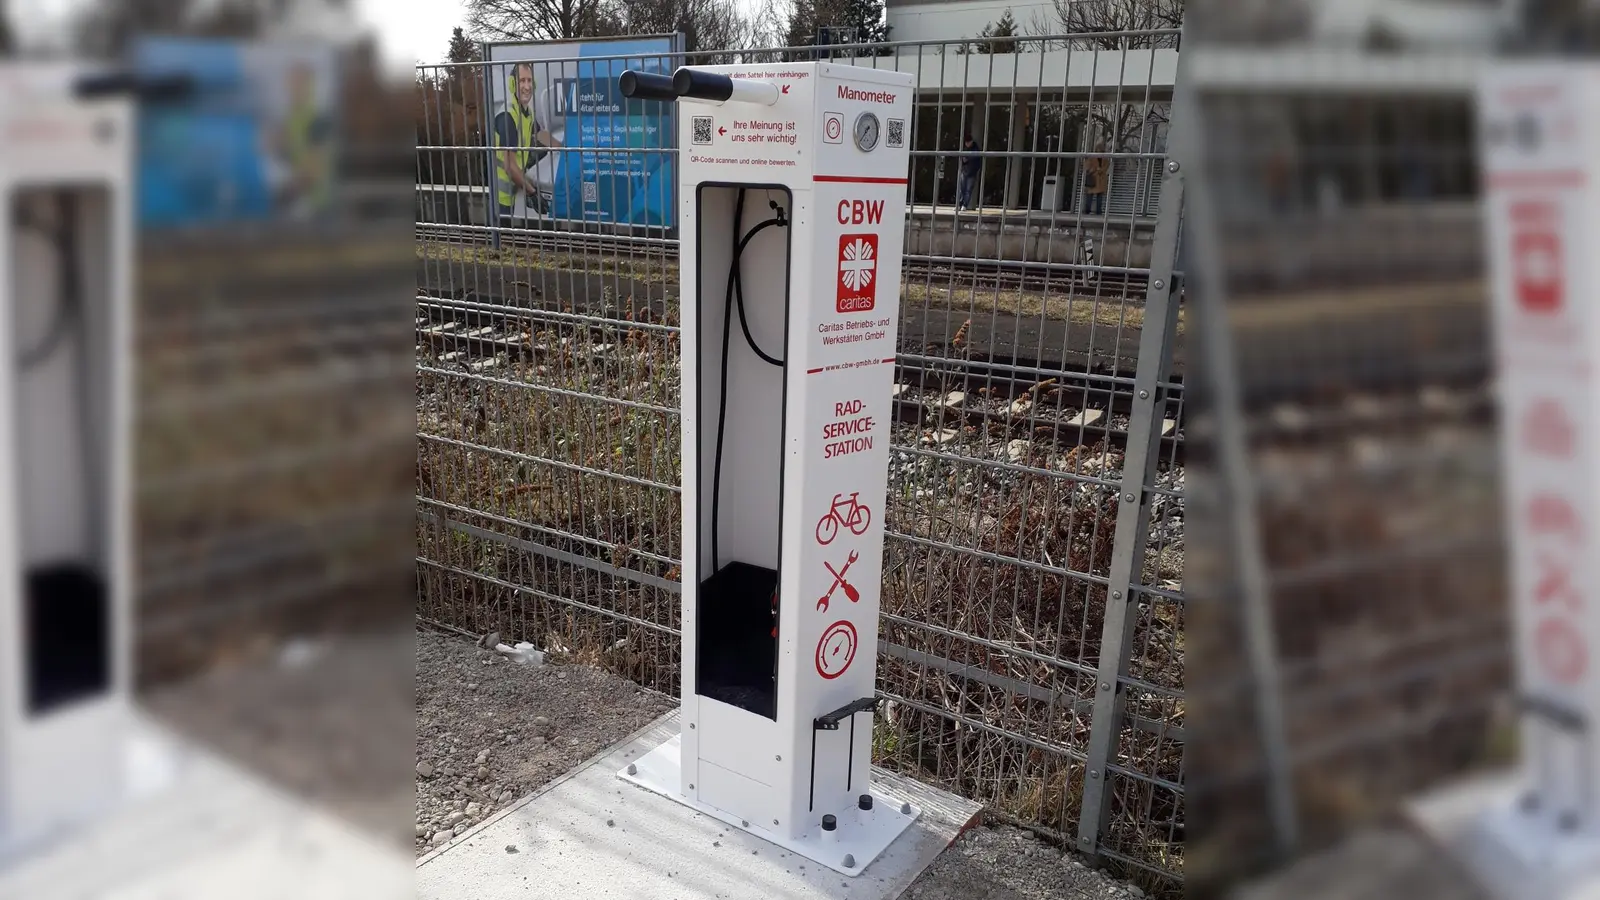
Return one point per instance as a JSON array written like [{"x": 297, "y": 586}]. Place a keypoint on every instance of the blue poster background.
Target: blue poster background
[
  {"x": 630, "y": 188},
  {"x": 593, "y": 181},
  {"x": 206, "y": 160}
]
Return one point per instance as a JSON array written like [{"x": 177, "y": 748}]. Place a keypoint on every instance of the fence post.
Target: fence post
[
  {"x": 1133, "y": 504},
  {"x": 1238, "y": 494}
]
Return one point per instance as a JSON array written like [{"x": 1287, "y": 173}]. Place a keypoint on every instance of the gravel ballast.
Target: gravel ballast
[
  {"x": 490, "y": 731},
  {"x": 999, "y": 862}
]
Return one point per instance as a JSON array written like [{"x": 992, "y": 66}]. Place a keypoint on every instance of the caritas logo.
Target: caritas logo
[
  {"x": 1537, "y": 256},
  {"x": 858, "y": 272}
]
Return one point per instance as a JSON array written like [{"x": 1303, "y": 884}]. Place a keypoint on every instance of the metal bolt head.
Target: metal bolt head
[
  {"x": 691, "y": 787},
  {"x": 691, "y": 726},
  {"x": 1104, "y": 686},
  {"x": 779, "y": 757},
  {"x": 1094, "y": 773},
  {"x": 1172, "y": 165},
  {"x": 1144, "y": 395},
  {"x": 849, "y": 861},
  {"x": 905, "y": 809},
  {"x": 1127, "y": 498},
  {"x": 1158, "y": 284},
  {"x": 1116, "y": 595},
  {"x": 1084, "y": 841},
  {"x": 774, "y": 821},
  {"x": 633, "y": 769}
]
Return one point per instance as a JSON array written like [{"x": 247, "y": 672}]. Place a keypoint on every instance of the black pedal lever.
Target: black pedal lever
[{"x": 830, "y": 721}]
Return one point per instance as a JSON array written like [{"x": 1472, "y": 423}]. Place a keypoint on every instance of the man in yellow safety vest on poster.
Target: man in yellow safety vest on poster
[
  {"x": 518, "y": 132},
  {"x": 303, "y": 148}
]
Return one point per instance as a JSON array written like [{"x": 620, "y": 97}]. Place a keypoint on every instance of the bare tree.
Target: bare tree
[
  {"x": 996, "y": 37},
  {"x": 705, "y": 24},
  {"x": 1104, "y": 24},
  {"x": 104, "y": 27},
  {"x": 824, "y": 23},
  {"x": 536, "y": 20}
]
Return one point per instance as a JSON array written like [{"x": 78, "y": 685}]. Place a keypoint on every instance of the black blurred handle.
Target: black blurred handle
[
  {"x": 151, "y": 88},
  {"x": 646, "y": 86},
  {"x": 702, "y": 85}
]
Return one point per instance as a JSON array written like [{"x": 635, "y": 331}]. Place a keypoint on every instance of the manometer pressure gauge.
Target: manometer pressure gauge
[{"x": 866, "y": 131}]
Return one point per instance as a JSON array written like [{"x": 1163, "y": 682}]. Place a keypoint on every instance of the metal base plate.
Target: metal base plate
[
  {"x": 862, "y": 838},
  {"x": 1512, "y": 854}
]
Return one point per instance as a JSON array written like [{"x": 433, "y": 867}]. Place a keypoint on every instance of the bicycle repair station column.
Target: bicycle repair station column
[
  {"x": 66, "y": 600},
  {"x": 792, "y": 193}
]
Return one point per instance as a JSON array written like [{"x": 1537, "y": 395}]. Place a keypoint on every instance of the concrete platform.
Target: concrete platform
[
  {"x": 592, "y": 835},
  {"x": 1452, "y": 819},
  {"x": 195, "y": 827}
]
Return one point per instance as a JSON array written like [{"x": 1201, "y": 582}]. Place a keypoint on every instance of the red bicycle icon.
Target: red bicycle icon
[{"x": 854, "y": 516}]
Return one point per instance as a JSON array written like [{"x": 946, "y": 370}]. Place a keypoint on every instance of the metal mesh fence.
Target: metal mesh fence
[
  {"x": 271, "y": 463},
  {"x": 1353, "y": 621},
  {"x": 1032, "y": 633}
]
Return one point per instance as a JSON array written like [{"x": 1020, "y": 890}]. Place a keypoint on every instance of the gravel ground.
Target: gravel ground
[
  {"x": 326, "y": 719},
  {"x": 1004, "y": 863},
  {"x": 490, "y": 731},
  {"x": 1377, "y": 862}
]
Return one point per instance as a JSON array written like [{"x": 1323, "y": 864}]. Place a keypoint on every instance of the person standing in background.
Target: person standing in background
[
  {"x": 967, "y": 175},
  {"x": 1097, "y": 178}
]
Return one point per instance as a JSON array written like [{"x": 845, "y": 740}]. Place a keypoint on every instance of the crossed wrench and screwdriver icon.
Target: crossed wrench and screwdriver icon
[{"x": 839, "y": 582}]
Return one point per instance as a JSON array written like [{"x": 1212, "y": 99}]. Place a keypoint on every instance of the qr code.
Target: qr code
[
  {"x": 897, "y": 133},
  {"x": 702, "y": 129},
  {"x": 591, "y": 192}
]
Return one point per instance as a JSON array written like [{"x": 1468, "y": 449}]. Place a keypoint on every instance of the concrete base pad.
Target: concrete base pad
[
  {"x": 195, "y": 827},
  {"x": 859, "y": 839},
  {"x": 1474, "y": 822},
  {"x": 593, "y": 835}
]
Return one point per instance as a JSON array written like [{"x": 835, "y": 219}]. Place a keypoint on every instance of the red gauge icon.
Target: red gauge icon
[{"x": 836, "y": 650}]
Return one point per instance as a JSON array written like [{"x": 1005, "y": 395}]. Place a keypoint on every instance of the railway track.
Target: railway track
[
  {"x": 1002, "y": 399},
  {"x": 1076, "y": 278},
  {"x": 1062, "y": 406}
]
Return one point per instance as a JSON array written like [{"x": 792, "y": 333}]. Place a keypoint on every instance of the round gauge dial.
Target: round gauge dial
[
  {"x": 866, "y": 131},
  {"x": 836, "y": 650}
]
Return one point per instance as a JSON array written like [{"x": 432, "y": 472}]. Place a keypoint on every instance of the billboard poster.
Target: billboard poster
[
  {"x": 256, "y": 141},
  {"x": 583, "y": 139}
]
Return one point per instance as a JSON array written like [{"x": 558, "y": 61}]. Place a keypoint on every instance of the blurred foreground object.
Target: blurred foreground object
[
  {"x": 1347, "y": 640},
  {"x": 95, "y": 799},
  {"x": 1536, "y": 835},
  {"x": 65, "y": 591}
]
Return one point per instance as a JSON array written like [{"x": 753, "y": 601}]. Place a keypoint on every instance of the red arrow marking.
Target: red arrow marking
[
  {"x": 785, "y": 89},
  {"x": 722, "y": 131}
]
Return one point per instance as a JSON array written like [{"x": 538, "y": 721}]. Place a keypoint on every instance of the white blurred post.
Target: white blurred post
[
  {"x": 1540, "y": 145},
  {"x": 65, "y": 383}
]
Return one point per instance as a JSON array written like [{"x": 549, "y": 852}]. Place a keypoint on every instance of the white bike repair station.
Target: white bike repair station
[
  {"x": 96, "y": 799},
  {"x": 1536, "y": 832},
  {"x": 66, "y": 165},
  {"x": 792, "y": 202}
]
